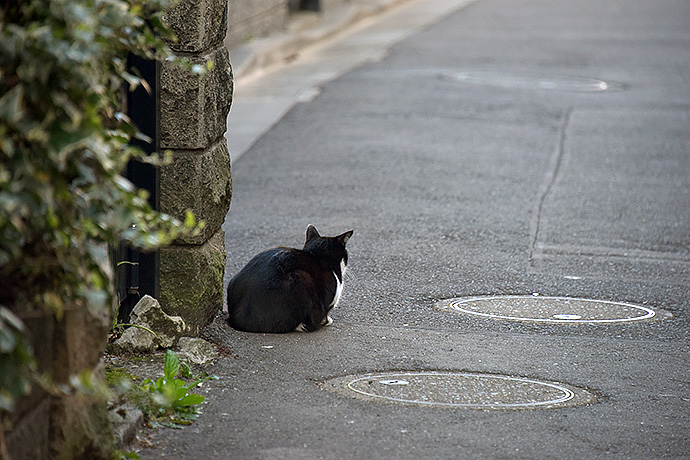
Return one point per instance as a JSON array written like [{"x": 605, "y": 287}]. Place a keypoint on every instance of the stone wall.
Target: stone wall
[
  {"x": 250, "y": 19},
  {"x": 73, "y": 425},
  {"x": 193, "y": 114}
]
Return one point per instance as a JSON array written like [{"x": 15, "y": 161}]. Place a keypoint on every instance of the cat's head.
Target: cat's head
[{"x": 331, "y": 249}]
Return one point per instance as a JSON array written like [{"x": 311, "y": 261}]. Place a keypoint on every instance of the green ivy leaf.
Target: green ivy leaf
[
  {"x": 11, "y": 109},
  {"x": 190, "y": 400}
]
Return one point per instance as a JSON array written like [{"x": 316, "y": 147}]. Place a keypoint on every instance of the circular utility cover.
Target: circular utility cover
[
  {"x": 511, "y": 80},
  {"x": 562, "y": 310},
  {"x": 462, "y": 390}
]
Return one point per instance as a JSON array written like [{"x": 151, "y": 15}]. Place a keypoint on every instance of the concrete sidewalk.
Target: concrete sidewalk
[{"x": 517, "y": 174}]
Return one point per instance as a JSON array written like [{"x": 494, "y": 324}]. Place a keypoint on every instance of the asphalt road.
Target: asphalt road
[{"x": 512, "y": 147}]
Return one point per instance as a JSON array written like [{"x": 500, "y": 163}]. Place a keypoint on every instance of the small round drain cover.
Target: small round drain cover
[
  {"x": 459, "y": 390},
  {"x": 531, "y": 81},
  {"x": 563, "y": 310}
]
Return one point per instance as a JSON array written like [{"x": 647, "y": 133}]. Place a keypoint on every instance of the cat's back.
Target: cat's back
[
  {"x": 277, "y": 268},
  {"x": 270, "y": 293},
  {"x": 273, "y": 264}
]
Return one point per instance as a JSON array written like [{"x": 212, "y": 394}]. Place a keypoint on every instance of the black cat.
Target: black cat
[{"x": 286, "y": 289}]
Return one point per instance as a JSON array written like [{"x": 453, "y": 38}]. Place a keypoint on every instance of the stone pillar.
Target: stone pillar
[{"x": 193, "y": 113}]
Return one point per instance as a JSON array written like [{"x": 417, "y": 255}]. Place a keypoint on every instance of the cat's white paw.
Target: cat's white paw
[{"x": 328, "y": 321}]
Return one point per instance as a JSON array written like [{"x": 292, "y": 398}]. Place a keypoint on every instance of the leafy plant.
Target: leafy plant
[
  {"x": 122, "y": 455},
  {"x": 64, "y": 142},
  {"x": 16, "y": 361},
  {"x": 168, "y": 400}
]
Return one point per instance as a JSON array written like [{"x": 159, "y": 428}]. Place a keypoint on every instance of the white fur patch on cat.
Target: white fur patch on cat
[{"x": 338, "y": 285}]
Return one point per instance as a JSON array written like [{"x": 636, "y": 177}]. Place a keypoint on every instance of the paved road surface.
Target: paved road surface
[{"x": 510, "y": 147}]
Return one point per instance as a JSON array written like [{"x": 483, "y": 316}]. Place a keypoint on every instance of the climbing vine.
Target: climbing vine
[{"x": 64, "y": 142}]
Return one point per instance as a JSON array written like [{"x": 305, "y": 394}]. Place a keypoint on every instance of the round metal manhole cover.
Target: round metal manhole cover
[
  {"x": 532, "y": 81},
  {"x": 558, "y": 310},
  {"x": 461, "y": 390}
]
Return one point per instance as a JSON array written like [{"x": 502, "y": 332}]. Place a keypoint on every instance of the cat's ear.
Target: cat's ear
[
  {"x": 344, "y": 237},
  {"x": 312, "y": 232}
]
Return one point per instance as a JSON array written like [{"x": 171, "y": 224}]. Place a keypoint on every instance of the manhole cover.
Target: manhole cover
[
  {"x": 531, "y": 81},
  {"x": 459, "y": 390},
  {"x": 563, "y": 310}
]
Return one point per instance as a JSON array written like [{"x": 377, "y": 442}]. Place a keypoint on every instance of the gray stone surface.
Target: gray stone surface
[
  {"x": 56, "y": 424},
  {"x": 191, "y": 284},
  {"x": 194, "y": 107},
  {"x": 149, "y": 316},
  {"x": 197, "y": 24},
  {"x": 200, "y": 181},
  {"x": 133, "y": 341},
  {"x": 196, "y": 350},
  {"x": 30, "y": 434},
  {"x": 193, "y": 115},
  {"x": 125, "y": 420}
]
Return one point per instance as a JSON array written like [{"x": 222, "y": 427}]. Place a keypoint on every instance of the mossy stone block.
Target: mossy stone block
[{"x": 191, "y": 281}]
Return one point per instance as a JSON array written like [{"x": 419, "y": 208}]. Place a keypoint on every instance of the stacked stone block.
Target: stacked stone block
[
  {"x": 193, "y": 113},
  {"x": 66, "y": 425}
]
